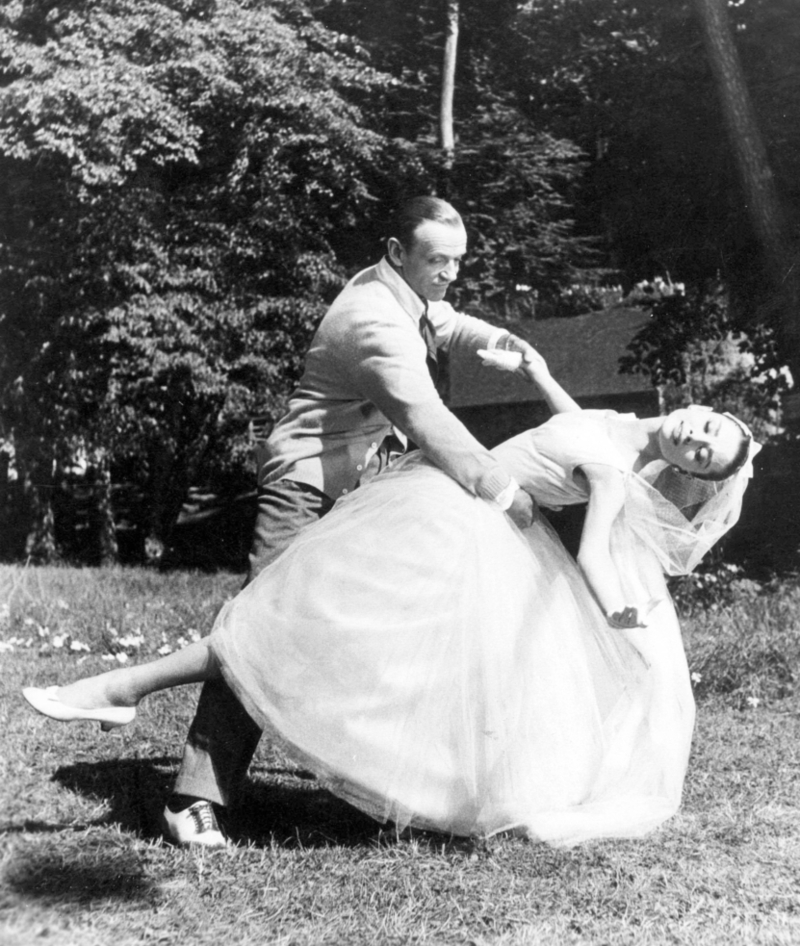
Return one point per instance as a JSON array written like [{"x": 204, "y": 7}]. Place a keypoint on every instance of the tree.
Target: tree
[
  {"x": 694, "y": 352},
  {"x": 446, "y": 135},
  {"x": 176, "y": 175},
  {"x": 765, "y": 209},
  {"x": 513, "y": 180},
  {"x": 632, "y": 86}
]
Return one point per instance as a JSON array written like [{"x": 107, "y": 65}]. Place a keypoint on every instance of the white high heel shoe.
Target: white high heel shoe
[{"x": 47, "y": 703}]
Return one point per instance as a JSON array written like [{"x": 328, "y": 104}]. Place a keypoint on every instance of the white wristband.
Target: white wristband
[
  {"x": 506, "y": 497},
  {"x": 497, "y": 487}
]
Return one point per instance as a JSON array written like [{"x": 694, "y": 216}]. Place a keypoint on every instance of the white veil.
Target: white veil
[{"x": 679, "y": 516}]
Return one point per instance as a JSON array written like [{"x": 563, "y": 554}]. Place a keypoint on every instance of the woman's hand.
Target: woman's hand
[
  {"x": 516, "y": 355},
  {"x": 523, "y": 510},
  {"x": 532, "y": 367},
  {"x": 625, "y": 619}
]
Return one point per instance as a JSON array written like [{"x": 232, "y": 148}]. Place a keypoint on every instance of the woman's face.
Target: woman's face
[{"x": 700, "y": 441}]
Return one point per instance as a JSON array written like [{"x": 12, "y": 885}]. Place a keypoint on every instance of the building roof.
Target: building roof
[{"x": 583, "y": 355}]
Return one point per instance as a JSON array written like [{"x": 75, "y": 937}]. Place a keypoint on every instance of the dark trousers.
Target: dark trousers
[{"x": 223, "y": 738}]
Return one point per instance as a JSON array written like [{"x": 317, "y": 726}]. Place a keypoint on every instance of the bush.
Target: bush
[{"x": 742, "y": 645}]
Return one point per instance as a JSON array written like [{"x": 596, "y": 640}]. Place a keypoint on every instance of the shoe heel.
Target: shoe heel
[{"x": 107, "y": 727}]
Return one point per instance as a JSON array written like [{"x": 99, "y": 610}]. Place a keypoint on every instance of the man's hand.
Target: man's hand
[{"x": 523, "y": 510}]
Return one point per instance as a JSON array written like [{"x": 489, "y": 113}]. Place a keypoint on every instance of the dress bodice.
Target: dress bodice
[{"x": 543, "y": 460}]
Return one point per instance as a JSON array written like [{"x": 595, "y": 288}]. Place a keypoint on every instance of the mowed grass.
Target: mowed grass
[{"x": 83, "y": 862}]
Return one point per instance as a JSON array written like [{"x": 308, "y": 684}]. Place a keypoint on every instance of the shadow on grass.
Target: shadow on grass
[
  {"x": 288, "y": 807},
  {"x": 134, "y": 788},
  {"x": 283, "y": 806},
  {"x": 97, "y": 872}
]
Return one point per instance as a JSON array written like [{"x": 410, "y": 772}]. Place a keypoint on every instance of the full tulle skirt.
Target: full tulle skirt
[{"x": 436, "y": 667}]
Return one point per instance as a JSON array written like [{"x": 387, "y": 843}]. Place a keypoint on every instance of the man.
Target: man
[{"x": 367, "y": 374}]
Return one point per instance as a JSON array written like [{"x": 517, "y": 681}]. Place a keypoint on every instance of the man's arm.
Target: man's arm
[
  {"x": 386, "y": 360},
  {"x": 466, "y": 334}
]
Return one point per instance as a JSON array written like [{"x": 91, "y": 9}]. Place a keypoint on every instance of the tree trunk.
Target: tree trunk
[
  {"x": 446, "y": 134},
  {"x": 760, "y": 193},
  {"x": 165, "y": 481},
  {"x": 40, "y": 543},
  {"x": 104, "y": 510},
  {"x": 173, "y": 467}
]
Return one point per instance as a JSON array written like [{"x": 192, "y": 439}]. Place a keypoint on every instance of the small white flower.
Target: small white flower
[
  {"x": 753, "y": 701},
  {"x": 28, "y": 621},
  {"x": 194, "y": 635},
  {"x": 63, "y": 604},
  {"x": 5, "y": 647},
  {"x": 121, "y": 657},
  {"x": 43, "y": 631},
  {"x": 79, "y": 646},
  {"x": 58, "y": 640},
  {"x": 164, "y": 649},
  {"x": 696, "y": 677},
  {"x": 108, "y": 657}
]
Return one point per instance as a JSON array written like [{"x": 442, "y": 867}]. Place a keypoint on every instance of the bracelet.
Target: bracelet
[
  {"x": 497, "y": 338},
  {"x": 507, "y": 342}
]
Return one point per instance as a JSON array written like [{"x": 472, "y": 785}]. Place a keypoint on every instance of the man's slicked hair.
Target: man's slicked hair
[{"x": 416, "y": 211}]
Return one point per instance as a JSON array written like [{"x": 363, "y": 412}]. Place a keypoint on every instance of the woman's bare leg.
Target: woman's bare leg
[{"x": 125, "y": 686}]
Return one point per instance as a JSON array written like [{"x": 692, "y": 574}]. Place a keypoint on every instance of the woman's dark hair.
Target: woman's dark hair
[{"x": 416, "y": 211}]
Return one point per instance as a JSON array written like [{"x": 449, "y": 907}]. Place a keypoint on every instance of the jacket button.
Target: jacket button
[
  {"x": 360, "y": 466},
  {"x": 344, "y": 491}
]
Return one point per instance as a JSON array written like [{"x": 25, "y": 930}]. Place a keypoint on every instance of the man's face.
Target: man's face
[{"x": 431, "y": 263}]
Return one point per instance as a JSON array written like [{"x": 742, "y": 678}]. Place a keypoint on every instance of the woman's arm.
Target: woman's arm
[
  {"x": 557, "y": 398},
  {"x": 606, "y": 497},
  {"x": 534, "y": 369}
]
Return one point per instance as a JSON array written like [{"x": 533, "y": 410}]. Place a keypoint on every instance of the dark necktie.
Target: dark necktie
[{"x": 429, "y": 337}]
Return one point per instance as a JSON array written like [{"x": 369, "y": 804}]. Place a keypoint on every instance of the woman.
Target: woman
[{"x": 437, "y": 667}]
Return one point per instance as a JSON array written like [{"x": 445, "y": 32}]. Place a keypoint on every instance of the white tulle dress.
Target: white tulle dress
[{"x": 437, "y": 667}]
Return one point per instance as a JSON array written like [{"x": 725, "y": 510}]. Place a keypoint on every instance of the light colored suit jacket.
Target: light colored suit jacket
[{"x": 365, "y": 373}]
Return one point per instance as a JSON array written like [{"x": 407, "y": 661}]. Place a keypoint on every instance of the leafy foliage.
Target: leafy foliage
[
  {"x": 176, "y": 175},
  {"x": 630, "y": 84},
  {"x": 184, "y": 185},
  {"x": 693, "y": 350},
  {"x": 513, "y": 181}
]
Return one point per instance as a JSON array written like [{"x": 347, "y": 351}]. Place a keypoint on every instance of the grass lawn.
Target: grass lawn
[{"x": 83, "y": 863}]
